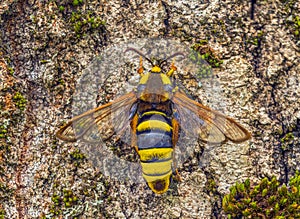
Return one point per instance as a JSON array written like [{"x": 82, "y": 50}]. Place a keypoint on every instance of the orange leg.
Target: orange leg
[
  {"x": 175, "y": 135},
  {"x": 177, "y": 176},
  {"x": 172, "y": 70},
  {"x": 175, "y": 127},
  {"x": 141, "y": 69},
  {"x": 133, "y": 125}
]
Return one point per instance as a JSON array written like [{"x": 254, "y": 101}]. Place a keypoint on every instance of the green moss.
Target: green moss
[
  {"x": 289, "y": 4},
  {"x": 3, "y": 131},
  {"x": 62, "y": 200},
  {"x": 61, "y": 8},
  {"x": 207, "y": 54},
  {"x": 69, "y": 199},
  {"x": 61, "y": 81},
  {"x": 5, "y": 147},
  {"x": 254, "y": 40},
  {"x": 288, "y": 137},
  {"x": 19, "y": 101},
  {"x": 203, "y": 70},
  {"x": 77, "y": 157},
  {"x": 84, "y": 22},
  {"x": 287, "y": 141},
  {"x": 294, "y": 23},
  {"x": 2, "y": 213},
  {"x": 265, "y": 200},
  {"x": 43, "y": 61},
  {"x": 11, "y": 70},
  {"x": 202, "y": 42},
  {"x": 211, "y": 185},
  {"x": 77, "y": 2}
]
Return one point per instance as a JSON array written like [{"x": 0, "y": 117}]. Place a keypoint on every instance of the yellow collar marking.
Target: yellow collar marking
[{"x": 156, "y": 69}]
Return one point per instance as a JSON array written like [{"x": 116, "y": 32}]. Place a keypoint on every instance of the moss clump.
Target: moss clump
[
  {"x": 207, "y": 53},
  {"x": 77, "y": 157},
  {"x": 77, "y": 2},
  {"x": 293, "y": 19},
  {"x": 61, "y": 81},
  {"x": 19, "y": 101},
  {"x": 3, "y": 131},
  {"x": 84, "y": 22},
  {"x": 2, "y": 213},
  {"x": 64, "y": 199},
  {"x": 287, "y": 138},
  {"x": 266, "y": 200},
  {"x": 61, "y": 8},
  {"x": 69, "y": 199},
  {"x": 256, "y": 39},
  {"x": 211, "y": 185},
  {"x": 287, "y": 141},
  {"x": 296, "y": 26},
  {"x": 11, "y": 70},
  {"x": 43, "y": 61},
  {"x": 203, "y": 69}
]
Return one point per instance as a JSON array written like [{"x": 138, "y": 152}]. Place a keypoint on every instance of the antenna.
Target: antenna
[
  {"x": 141, "y": 54},
  {"x": 172, "y": 56}
]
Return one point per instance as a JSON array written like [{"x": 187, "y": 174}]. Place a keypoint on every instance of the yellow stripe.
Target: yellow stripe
[
  {"x": 153, "y": 178},
  {"x": 159, "y": 153},
  {"x": 157, "y": 167},
  {"x": 154, "y": 124},
  {"x": 165, "y": 79},
  {"x": 154, "y": 112},
  {"x": 145, "y": 78}
]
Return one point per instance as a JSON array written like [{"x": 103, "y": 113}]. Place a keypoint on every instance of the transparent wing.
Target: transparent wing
[
  {"x": 100, "y": 123},
  {"x": 209, "y": 125}
]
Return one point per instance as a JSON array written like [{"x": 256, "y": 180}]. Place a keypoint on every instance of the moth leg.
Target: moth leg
[
  {"x": 133, "y": 125},
  {"x": 141, "y": 69},
  {"x": 175, "y": 126},
  {"x": 172, "y": 70},
  {"x": 177, "y": 176}
]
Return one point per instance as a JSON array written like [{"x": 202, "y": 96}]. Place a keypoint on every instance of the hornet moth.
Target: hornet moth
[{"x": 156, "y": 111}]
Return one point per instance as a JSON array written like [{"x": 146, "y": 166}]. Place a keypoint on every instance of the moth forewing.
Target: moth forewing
[{"x": 99, "y": 123}]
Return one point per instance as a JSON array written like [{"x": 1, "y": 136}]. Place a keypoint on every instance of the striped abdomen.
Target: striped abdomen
[{"x": 154, "y": 140}]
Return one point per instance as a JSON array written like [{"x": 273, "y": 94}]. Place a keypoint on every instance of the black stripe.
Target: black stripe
[
  {"x": 158, "y": 131},
  {"x": 140, "y": 149},
  {"x": 154, "y": 116},
  {"x": 154, "y": 140},
  {"x": 164, "y": 107},
  {"x": 155, "y": 160},
  {"x": 157, "y": 174}
]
